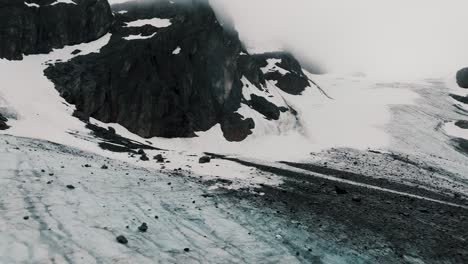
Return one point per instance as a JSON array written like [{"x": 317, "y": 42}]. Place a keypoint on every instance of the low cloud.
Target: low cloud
[{"x": 417, "y": 38}]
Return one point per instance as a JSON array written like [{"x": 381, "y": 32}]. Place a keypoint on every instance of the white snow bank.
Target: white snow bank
[
  {"x": 272, "y": 66},
  {"x": 155, "y": 22},
  {"x": 41, "y": 112},
  {"x": 31, "y": 5},
  {"x": 452, "y": 130},
  {"x": 139, "y": 36},
  {"x": 63, "y": 2},
  {"x": 176, "y": 51}
]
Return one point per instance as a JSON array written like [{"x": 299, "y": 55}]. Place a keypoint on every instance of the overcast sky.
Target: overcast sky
[{"x": 409, "y": 38}]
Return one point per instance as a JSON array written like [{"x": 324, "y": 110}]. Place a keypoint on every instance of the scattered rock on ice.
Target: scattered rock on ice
[
  {"x": 204, "y": 159},
  {"x": 159, "y": 158},
  {"x": 71, "y": 187},
  {"x": 122, "y": 240},
  {"x": 143, "y": 227}
]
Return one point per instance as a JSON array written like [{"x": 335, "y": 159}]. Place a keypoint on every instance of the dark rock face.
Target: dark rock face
[
  {"x": 294, "y": 81},
  {"x": 3, "y": 123},
  {"x": 150, "y": 89},
  {"x": 459, "y": 98},
  {"x": 265, "y": 107},
  {"x": 462, "y": 124},
  {"x": 42, "y": 25},
  {"x": 462, "y": 78}
]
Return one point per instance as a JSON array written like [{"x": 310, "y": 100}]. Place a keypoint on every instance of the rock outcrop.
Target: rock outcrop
[
  {"x": 3, "y": 123},
  {"x": 283, "y": 68},
  {"x": 38, "y": 26},
  {"x": 462, "y": 78},
  {"x": 170, "y": 70}
]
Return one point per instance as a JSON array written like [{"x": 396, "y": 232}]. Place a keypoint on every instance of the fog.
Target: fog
[{"x": 401, "y": 38}]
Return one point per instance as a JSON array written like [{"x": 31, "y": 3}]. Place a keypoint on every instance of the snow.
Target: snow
[
  {"x": 31, "y": 4},
  {"x": 272, "y": 66},
  {"x": 80, "y": 225},
  {"x": 63, "y": 2},
  {"x": 176, "y": 51},
  {"x": 155, "y": 22},
  {"x": 139, "y": 36},
  {"x": 41, "y": 113},
  {"x": 270, "y": 92},
  {"x": 455, "y": 131},
  {"x": 122, "y": 12}
]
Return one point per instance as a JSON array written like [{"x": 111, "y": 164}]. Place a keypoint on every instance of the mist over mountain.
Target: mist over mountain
[
  {"x": 233, "y": 131},
  {"x": 386, "y": 38}
]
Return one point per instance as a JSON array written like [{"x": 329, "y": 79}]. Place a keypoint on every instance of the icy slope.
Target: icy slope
[{"x": 45, "y": 220}]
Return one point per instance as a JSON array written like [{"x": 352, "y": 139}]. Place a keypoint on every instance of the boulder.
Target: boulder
[
  {"x": 204, "y": 159},
  {"x": 462, "y": 78}
]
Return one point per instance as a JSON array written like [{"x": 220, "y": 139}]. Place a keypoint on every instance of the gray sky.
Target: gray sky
[{"x": 407, "y": 38}]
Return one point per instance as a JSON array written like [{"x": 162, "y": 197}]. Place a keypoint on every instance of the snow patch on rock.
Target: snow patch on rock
[
  {"x": 139, "y": 36},
  {"x": 155, "y": 22}
]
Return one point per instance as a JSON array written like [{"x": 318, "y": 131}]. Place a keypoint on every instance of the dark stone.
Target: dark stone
[
  {"x": 462, "y": 124},
  {"x": 186, "y": 249},
  {"x": 26, "y": 217},
  {"x": 104, "y": 167},
  {"x": 159, "y": 158},
  {"x": 76, "y": 52},
  {"x": 122, "y": 240},
  {"x": 143, "y": 227},
  {"x": 87, "y": 166},
  {"x": 71, "y": 187},
  {"x": 3, "y": 119},
  {"x": 111, "y": 130},
  {"x": 144, "y": 157},
  {"x": 237, "y": 128},
  {"x": 32, "y": 30},
  {"x": 204, "y": 159},
  {"x": 264, "y": 107},
  {"x": 462, "y": 78},
  {"x": 357, "y": 199},
  {"x": 340, "y": 190},
  {"x": 141, "y": 152},
  {"x": 423, "y": 210},
  {"x": 81, "y": 116},
  {"x": 3, "y": 123}
]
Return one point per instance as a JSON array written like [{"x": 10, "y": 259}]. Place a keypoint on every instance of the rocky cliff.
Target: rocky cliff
[
  {"x": 38, "y": 26},
  {"x": 170, "y": 70},
  {"x": 462, "y": 78}
]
